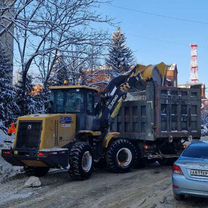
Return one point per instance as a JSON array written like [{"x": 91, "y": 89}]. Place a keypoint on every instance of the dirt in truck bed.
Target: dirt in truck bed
[{"x": 149, "y": 187}]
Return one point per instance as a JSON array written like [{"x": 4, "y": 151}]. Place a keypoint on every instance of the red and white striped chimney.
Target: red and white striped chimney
[{"x": 194, "y": 64}]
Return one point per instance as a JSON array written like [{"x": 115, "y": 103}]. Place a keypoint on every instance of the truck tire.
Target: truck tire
[
  {"x": 36, "y": 171},
  {"x": 121, "y": 156},
  {"x": 81, "y": 161}
]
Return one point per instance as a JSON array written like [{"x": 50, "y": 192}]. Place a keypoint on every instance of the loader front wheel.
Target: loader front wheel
[
  {"x": 81, "y": 161},
  {"x": 121, "y": 156}
]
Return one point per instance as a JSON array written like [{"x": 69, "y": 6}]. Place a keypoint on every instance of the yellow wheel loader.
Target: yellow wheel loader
[{"x": 137, "y": 117}]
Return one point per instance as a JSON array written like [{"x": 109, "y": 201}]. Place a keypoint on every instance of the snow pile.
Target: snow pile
[
  {"x": 6, "y": 141},
  {"x": 32, "y": 182},
  {"x": 6, "y": 169}
]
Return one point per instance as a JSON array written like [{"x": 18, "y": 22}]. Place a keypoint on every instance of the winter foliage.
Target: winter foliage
[
  {"x": 56, "y": 41},
  {"x": 9, "y": 110},
  {"x": 59, "y": 72},
  {"x": 120, "y": 57},
  {"x": 28, "y": 102}
]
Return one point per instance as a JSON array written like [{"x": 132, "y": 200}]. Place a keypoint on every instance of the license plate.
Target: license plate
[{"x": 203, "y": 173}]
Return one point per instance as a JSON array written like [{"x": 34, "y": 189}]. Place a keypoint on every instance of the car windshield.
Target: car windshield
[
  {"x": 67, "y": 101},
  {"x": 196, "y": 151}
]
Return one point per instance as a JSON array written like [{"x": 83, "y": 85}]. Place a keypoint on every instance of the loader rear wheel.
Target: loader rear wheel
[
  {"x": 121, "y": 156},
  {"x": 37, "y": 171},
  {"x": 81, "y": 161}
]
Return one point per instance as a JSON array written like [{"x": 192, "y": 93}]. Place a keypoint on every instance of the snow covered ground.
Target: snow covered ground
[
  {"x": 6, "y": 141},
  {"x": 6, "y": 170}
]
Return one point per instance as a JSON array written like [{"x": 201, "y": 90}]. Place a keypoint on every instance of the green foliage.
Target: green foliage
[
  {"x": 120, "y": 57},
  {"x": 8, "y": 108}
]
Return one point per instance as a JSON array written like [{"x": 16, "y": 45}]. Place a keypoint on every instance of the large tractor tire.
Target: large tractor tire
[
  {"x": 36, "y": 171},
  {"x": 121, "y": 156},
  {"x": 81, "y": 161}
]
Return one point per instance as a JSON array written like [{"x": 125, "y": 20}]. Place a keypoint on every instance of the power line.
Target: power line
[
  {"x": 158, "y": 39},
  {"x": 161, "y": 15},
  {"x": 166, "y": 41}
]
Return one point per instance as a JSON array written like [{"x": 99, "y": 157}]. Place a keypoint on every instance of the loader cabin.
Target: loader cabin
[
  {"x": 79, "y": 100},
  {"x": 75, "y": 99}
]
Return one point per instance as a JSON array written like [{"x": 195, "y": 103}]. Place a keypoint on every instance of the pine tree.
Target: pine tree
[
  {"x": 120, "y": 57},
  {"x": 59, "y": 72},
  {"x": 8, "y": 108},
  {"x": 24, "y": 100}
]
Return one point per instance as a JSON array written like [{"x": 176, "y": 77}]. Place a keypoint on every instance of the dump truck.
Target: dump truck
[
  {"x": 139, "y": 116},
  {"x": 159, "y": 120}
]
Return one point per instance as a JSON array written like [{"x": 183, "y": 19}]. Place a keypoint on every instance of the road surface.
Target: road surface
[{"x": 149, "y": 187}]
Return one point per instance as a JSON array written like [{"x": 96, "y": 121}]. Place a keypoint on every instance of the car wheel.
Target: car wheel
[
  {"x": 36, "y": 171},
  {"x": 121, "y": 156},
  {"x": 81, "y": 161}
]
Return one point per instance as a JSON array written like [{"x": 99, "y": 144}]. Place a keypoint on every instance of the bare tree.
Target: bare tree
[
  {"x": 43, "y": 27},
  {"x": 10, "y": 15}
]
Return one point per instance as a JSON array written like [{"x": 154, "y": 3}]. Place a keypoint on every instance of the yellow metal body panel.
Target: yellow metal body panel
[
  {"x": 66, "y": 132},
  {"x": 162, "y": 67},
  {"x": 138, "y": 69},
  {"x": 55, "y": 133},
  {"x": 65, "y": 87},
  {"x": 117, "y": 109},
  {"x": 147, "y": 71},
  {"x": 91, "y": 133},
  {"x": 110, "y": 136}
]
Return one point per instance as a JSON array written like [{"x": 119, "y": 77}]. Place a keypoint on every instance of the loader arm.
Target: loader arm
[{"x": 116, "y": 91}]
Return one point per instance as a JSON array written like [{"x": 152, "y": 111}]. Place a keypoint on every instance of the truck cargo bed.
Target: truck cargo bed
[{"x": 160, "y": 112}]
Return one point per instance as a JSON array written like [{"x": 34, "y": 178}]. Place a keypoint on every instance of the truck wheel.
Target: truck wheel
[
  {"x": 38, "y": 171},
  {"x": 81, "y": 161},
  {"x": 121, "y": 156}
]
